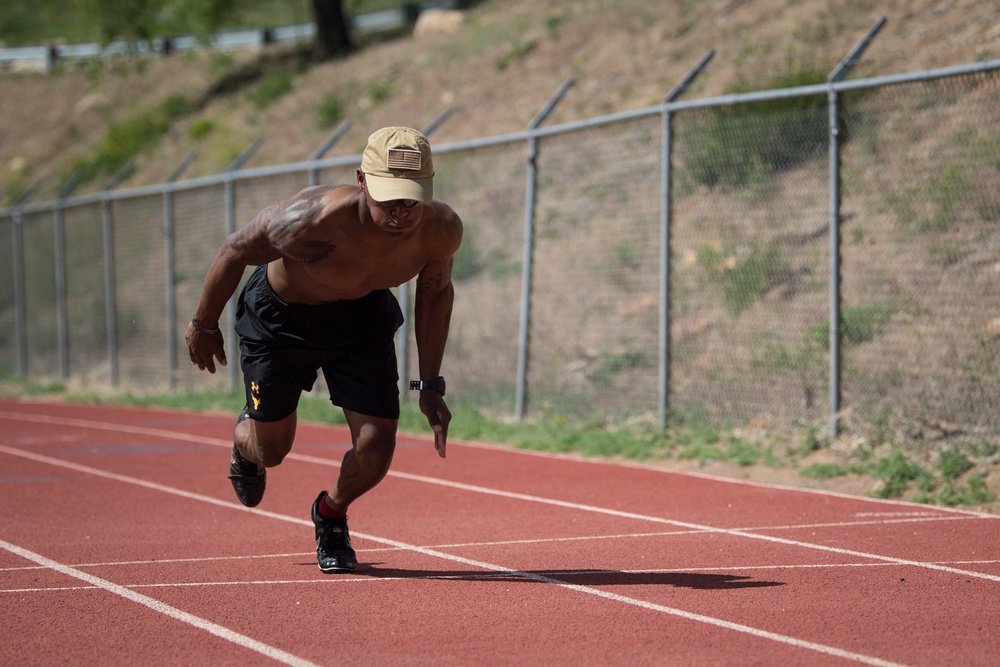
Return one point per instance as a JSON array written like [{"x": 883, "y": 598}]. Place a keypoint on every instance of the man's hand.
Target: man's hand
[
  {"x": 204, "y": 348},
  {"x": 438, "y": 416}
]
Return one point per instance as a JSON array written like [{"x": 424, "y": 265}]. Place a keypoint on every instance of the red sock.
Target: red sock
[{"x": 328, "y": 512}]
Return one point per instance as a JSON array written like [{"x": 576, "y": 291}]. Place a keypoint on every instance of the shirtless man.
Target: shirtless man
[{"x": 319, "y": 299}]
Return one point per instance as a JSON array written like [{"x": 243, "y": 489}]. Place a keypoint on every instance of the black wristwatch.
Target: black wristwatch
[{"x": 437, "y": 384}]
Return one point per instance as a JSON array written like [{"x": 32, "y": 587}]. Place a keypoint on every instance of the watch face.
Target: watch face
[{"x": 436, "y": 384}]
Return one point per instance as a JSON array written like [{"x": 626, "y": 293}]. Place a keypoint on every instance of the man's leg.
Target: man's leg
[
  {"x": 256, "y": 446},
  {"x": 367, "y": 462},
  {"x": 364, "y": 466},
  {"x": 265, "y": 443}
]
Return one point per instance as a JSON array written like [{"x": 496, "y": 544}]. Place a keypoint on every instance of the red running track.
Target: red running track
[{"x": 121, "y": 543}]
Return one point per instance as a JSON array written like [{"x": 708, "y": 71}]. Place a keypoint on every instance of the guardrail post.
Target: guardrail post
[{"x": 51, "y": 56}]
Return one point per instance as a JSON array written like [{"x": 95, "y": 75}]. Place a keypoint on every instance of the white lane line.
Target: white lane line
[
  {"x": 163, "y": 608},
  {"x": 681, "y": 613}
]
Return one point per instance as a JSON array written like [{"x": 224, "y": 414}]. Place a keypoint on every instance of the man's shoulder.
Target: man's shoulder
[
  {"x": 326, "y": 204},
  {"x": 445, "y": 222},
  {"x": 445, "y": 216}
]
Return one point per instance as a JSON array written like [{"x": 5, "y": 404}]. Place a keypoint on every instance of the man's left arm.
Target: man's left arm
[{"x": 435, "y": 297}]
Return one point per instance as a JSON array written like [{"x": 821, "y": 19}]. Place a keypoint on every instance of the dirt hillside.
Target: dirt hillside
[{"x": 492, "y": 71}]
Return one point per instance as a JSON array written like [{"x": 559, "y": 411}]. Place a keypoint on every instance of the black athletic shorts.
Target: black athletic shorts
[{"x": 283, "y": 346}]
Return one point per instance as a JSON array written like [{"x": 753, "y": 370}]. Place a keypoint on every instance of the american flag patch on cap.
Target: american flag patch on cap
[{"x": 401, "y": 158}]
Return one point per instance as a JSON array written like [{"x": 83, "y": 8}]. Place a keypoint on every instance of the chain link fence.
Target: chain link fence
[{"x": 755, "y": 312}]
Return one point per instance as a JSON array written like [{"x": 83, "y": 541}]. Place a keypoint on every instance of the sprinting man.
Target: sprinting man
[{"x": 319, "y": 299}]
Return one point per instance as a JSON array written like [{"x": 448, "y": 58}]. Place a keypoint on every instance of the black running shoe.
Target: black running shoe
[
  {"x": 248, "y": 478},
  {"x": 333, "y": 542}
]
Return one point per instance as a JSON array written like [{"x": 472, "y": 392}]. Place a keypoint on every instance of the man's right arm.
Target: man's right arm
[
  {"x": 285, "y": 229},
  {"x": 248, "y": 246}
]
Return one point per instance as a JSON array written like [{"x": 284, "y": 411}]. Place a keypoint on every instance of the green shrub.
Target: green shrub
[
  {"x": 330, "y": 112},
  {"x": 741, "y": 144},
  {"x": 610, "y": 364},
  {"x": 947, "y": 191},
  {"x": 973, "y": 493},
  {"x": 380, "y": 91},
  {"x": 896, "y": 471},
  {"x": 272, "y": 88},
  {"x": 122, "y": 142},
  {"x": 858, "y": 324},
  {"x": 744, "y": 277},
  {"x": 825, "y": 471},
  {"x": 953, "y": 464},
  {"x": 200, "y": 128},
  {"x": 126, "y": 139},
  {"x": 517, "y": 50}
]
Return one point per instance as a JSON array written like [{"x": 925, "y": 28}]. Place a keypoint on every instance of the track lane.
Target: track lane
[{"x": 561, "y": 520}]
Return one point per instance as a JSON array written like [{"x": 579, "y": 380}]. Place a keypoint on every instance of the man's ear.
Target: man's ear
[{"x": 361, "y": 179}]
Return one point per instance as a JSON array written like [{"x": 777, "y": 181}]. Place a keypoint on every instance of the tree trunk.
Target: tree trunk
[{"x": 333, "y": 36}]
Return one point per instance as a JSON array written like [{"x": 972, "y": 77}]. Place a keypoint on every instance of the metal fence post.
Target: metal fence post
[
  {"x": 20, "y": 310},
  {"x": 110, "y": 312},
  {"x": 168, "y": 244},
  {"x": 110, "y": 288},
  {"x": 529, "y": 249},
  {"x": 233, "y": 167},
  {"x": 62, "y": 315},
  {"x": 20, "y": 298},
  {"x": 836, "y": 366},
  {"x": 666, "y": 204}
]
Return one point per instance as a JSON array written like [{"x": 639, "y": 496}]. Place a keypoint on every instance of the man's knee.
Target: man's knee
[
  {"x": 271, "y": 441},
  {"x": 377, "y": 455},
  {"x": 272, "y": 456},
  {"x": 374, "y": 453}
]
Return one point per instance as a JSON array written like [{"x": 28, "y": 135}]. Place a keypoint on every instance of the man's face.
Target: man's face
[{"x": 397, "y": 216}]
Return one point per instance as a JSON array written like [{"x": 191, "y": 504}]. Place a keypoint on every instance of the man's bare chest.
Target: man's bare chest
[{"x": 347, "y": 273}]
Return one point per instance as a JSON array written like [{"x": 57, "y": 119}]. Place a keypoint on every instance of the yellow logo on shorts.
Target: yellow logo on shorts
[{"x": 254, "y": 394}]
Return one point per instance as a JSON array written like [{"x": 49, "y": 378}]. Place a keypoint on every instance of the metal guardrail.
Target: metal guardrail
[{"x": 45, "y": 57}]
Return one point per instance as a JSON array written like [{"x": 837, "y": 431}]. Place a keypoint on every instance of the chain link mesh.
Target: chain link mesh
[
  {"x": 749, "y": 336},
  {"x": 751, "y": 267},
  {"x": 921, "y": 288},
  {"x": 594, "y": 297}
]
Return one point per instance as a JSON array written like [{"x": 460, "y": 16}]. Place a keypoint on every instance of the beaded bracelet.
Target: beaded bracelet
[{"x": 205, "y": 330}]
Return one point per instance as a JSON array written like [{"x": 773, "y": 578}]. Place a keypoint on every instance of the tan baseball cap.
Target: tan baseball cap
[{"x": 397, "y": 165}]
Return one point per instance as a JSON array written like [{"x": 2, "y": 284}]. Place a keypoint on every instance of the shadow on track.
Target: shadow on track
[{"x": 577, "y": 577}]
